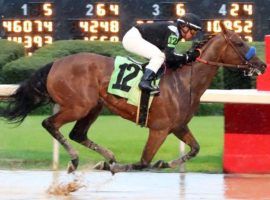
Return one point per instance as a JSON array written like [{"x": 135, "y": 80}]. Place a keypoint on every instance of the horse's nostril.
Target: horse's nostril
[{"x": 263, "y": 68}]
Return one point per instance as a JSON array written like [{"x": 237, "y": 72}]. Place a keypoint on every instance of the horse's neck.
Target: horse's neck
[{"x": 201, "y": 75}]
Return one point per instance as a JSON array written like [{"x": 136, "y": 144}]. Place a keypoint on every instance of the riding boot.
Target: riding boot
[{"x": 146, "y": 81}]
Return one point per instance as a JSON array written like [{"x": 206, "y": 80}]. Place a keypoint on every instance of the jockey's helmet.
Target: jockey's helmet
[{"x": 190, "y": 20}]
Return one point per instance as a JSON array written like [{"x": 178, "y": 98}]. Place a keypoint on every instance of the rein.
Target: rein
[
  {"x": 245, "y": 65},
  {"x": 220, "y": 64}
]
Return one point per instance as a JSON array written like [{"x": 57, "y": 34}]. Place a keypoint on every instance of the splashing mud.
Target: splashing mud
[{"x": 67, "y": 187}]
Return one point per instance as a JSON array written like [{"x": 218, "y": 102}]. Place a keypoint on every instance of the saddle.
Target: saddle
[{"x": 124, "y": 83}]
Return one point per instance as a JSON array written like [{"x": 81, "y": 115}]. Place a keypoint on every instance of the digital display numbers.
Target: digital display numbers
[
  {"x": 36, "y": 23},
  {"x": 168, "y": 10},
  {"x": 165, "y": 12},
  {"x": 100, "y": 30},
  {"x": 237, "y": 16},
  {"x": 101, "y": 23},
  {"x": 102, "y": 10},
  {"x": 34, "y": 30}
]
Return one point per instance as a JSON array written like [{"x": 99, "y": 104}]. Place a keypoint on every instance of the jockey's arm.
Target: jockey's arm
[{"x": 173, "y": 58}]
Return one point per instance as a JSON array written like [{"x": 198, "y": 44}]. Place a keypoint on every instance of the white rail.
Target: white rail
[
  {"x": 247, "y": 96},
  {"x": 7, "y": 90},
  {"x": 251, "y": 96}
]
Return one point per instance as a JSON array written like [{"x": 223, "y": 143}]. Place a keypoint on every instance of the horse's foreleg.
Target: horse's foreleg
[
  {"x": 185, "y": 135},
  {"x": 155, "y": 140},
  {"x": 79, "y": 133}
]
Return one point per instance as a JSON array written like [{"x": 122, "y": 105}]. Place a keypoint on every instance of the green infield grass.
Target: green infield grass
[{"x": 29, "y": 146}]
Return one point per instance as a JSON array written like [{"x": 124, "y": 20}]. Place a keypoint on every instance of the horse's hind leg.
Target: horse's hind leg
[
  {"x": 79, "y": 133},
  {"x": 52, "y": 125},
  {"x": 185, "y": 135}
]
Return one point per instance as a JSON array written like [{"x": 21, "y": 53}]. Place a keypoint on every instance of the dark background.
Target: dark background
[{"x": 131, "y": 10}]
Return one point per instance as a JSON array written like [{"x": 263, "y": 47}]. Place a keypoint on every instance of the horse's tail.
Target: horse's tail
[{"x": 31, "y": 94}]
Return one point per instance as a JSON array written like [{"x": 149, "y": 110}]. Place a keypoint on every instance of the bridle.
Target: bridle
[{"x": 245, "y": 62}]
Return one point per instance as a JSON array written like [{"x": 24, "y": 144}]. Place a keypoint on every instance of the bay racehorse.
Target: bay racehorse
[{"x": 78, "y": 84}]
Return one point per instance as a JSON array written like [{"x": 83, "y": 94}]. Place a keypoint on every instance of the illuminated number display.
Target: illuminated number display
[
  {"x": 167, "y": 11},
  {"x": 36, "y": 23},
  {"x": 237, "y": 16},
  {"x": 101, "y": 22},
  {"x": 35, "y": 28}
]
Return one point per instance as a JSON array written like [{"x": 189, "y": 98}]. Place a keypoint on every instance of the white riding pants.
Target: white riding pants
[{"x": 134, "y": 42}]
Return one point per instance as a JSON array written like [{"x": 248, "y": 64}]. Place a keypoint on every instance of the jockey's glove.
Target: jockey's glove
[
  {"x": 175, "y": 60},
  {"x": 192, "y": 55}
]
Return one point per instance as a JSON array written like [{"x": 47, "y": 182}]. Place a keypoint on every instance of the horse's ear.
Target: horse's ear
[{"x": 223, "y": 27}]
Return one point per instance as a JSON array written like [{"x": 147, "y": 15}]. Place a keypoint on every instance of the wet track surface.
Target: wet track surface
[{"x": 136, "y": 185}]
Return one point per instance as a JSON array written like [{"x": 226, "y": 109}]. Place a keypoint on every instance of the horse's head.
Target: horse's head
[
  {"x": 234, "y": 52},
  {"x": 239, "y": 53}
]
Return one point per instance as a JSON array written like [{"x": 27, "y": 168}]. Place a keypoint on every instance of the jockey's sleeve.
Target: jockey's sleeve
[
  {"x": 170, "y": 51},
  {"x": 172, "y": 40}
]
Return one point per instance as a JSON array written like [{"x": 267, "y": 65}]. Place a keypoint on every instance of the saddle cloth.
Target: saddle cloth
[{"x": 125, "y": 80}]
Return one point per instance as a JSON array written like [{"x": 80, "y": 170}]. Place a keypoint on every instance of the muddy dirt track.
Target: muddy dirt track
[{"x": 135, "y": 185}]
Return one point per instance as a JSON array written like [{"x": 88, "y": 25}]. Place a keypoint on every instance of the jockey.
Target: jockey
[{"x": 157, "y": 42}]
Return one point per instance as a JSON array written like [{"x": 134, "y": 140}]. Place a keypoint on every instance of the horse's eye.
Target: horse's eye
[{"x": 240, "y": 44}]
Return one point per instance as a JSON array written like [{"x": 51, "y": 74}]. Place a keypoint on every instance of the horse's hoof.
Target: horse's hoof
[
  {"x": 176, "y": 163},
  {"x": 115, "y": 168},
  {"x": 72, "y": 166},
  {"x": 102, "y": 165},
  {"x": 160, "y": 164}
]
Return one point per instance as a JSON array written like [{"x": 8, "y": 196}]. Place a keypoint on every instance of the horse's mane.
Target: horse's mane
[{"x": 200, "y": 43}]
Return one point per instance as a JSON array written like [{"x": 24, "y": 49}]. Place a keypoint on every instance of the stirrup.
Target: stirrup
[{"x": 155, "y": 92}]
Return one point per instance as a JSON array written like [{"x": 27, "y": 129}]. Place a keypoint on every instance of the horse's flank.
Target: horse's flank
[
  {"x": 93, "y": 72},
  {"x": 174, "y": 106}
]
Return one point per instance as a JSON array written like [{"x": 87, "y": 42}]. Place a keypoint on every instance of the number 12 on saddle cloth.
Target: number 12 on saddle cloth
[{"x": 125, "y": 80}]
